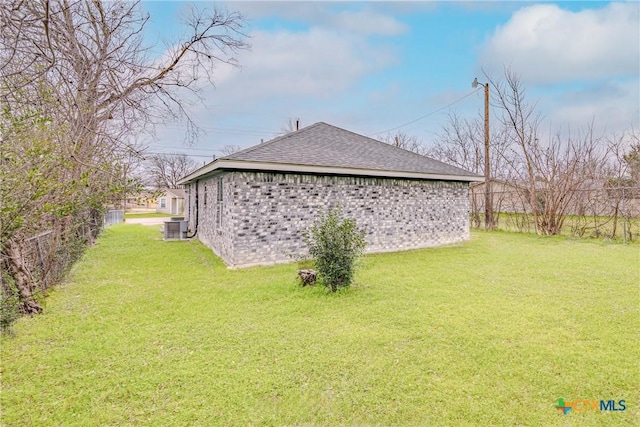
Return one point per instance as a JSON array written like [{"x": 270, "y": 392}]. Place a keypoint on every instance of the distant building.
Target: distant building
[
  {"x": 141, "y": 202},
  {"x": 171, "y": 201},
  {"x": 505, "y": 196}
]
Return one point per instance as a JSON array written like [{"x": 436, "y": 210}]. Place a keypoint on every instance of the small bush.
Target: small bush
[
  {"x": 335, "y": 243},
  {"x": 9, "y": 305}
]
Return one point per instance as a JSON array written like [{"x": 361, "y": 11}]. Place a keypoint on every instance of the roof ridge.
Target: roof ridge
[
  {"x": 324, "y": 145},
  {"x": 390, "y": 145},
  {"x": 269, "y": 142}
]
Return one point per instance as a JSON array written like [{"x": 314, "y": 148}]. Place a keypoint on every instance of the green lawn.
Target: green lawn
[{"x": 491, "y": 332}]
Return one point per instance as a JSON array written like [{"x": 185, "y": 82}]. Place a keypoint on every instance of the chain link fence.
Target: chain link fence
[
  {"x": 113, "y": 217},
  {"x": 612, "y": 213},
  {"x": 46, "y": 257}
]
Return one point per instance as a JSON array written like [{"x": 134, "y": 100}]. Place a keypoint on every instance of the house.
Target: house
[
  {"x": 144, "y": 201},
  {"x": 587, "y": 197},
  {"x": 506, "y": 197},
  {"x": 171, "y": 201},
  {"x": 252, "y": 207}
]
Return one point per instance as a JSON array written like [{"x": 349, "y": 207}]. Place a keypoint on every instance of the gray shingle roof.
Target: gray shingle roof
[
  {"x": 325, "y": 149},
  {"x": 322, "y": 144},
  {"x": 178, "y": 192}
]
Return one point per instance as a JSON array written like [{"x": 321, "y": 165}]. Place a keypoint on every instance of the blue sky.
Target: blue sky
[{"x": 373, "y": 66}]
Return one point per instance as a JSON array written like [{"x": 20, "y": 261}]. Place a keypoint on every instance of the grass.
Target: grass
[{"x": 491, "y": 332}]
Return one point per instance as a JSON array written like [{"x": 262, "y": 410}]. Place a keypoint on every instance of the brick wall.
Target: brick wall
[{"x": 263, "y": 214}]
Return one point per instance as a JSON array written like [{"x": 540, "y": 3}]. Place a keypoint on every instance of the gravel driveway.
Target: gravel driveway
[{"x": 147, "y": 221}]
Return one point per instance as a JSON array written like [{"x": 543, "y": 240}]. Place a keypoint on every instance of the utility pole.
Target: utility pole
[{"x": 488, "y": 202}]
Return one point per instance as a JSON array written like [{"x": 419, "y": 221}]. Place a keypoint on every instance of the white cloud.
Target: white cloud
[
  {"x": 307, "y": 60},
  {"x": 613, "y": 106},
  {"x": 317, "y": 62},
  {"x": 368, "y": 22},
  {"x": 361, "y": 18},
  {"x": 296, "y": 11},
  {"x": 286, "y": 74},
  {"x": 548, "y": 44}
]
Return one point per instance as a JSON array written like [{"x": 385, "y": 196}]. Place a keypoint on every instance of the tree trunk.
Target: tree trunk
[
  {"x": 615, "y": 220},
  {"x": 23, "y": 279}
]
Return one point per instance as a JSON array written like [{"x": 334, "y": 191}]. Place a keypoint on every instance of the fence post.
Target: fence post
[
  {"x": 41, "y": 278},
  {"x": 624, "y": 219}
]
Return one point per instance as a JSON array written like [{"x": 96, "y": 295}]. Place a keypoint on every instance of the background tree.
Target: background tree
[
  {"x": 615, "y": 175},
  {"x": 461, "y": 143},
  {"x": 165, "y": 170},
  {"x": 632, "y": 158},
  {"x": 554, "y": 170},
  {"x": 229, "y": 149},
  {"x": 548, "y": 176},
  {"x": 405, "y": 141},
  {"x": 292, "y": 125}
]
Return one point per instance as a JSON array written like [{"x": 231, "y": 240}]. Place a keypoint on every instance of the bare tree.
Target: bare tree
[
  {"x": 165, "y": 170},
  {"x": 76, "y": 83},
  {"x": 554, "y": 170},
  {"x": 229, "y": 149},
  {"x": 461, "y": 143},
  {"x": 292, "y": 125},
  {"x": 92, "y": 53},
  {"x": 405, "y": 141},
  {"x": 521, "y": 120},
  {"x": 548, "y": 177},
  {"x": 620, "y": 173},
  {"x": 632, "y": 157}
]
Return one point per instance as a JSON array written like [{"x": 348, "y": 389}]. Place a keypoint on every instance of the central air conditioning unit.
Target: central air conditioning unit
[
  {"x": 175, "y": 230},
  {"x": 171, "y": 230}
]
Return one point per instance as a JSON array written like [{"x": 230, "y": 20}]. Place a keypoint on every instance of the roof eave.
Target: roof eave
[{"x": 221, "y": 164}]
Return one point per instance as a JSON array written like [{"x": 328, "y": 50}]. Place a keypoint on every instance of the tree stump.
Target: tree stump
[{"x": 307, "y": 277}]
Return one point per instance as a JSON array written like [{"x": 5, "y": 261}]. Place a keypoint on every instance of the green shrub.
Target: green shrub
[
  {"x": 9, "y": 304},
  {"x": 335, "y": 243}
]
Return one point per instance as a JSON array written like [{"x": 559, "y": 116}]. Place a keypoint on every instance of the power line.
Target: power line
[
  {"x": 428, "y": 114},
  {"x": 258, "y": 132},
  {"x": 231, "y": 131},
  {"x": 159, "y": 146}
]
